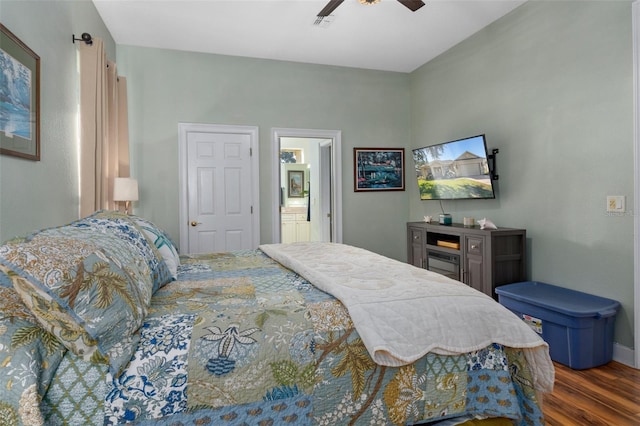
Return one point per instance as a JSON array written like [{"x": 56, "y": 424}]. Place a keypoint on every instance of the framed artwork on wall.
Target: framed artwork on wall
[
  {"x": 378, "y": 169},
  {"x": 295, "y": 183},
  {"x": 20, "y": 106},
  {"x": 291, "y": 156}
]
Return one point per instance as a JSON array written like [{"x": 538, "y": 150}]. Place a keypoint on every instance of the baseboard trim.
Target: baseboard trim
[{"x": 624, "y": 355}]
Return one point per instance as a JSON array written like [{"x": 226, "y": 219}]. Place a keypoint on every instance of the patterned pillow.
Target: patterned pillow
[
  {"x": 88, "y": 283},
  {"x": 30, "y": 357},
  {"x": 163, "y": 243},
  {"x": 127, "y": 228}
]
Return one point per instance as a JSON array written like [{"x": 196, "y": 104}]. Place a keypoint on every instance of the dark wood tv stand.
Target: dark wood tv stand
[{"x": 481, "y": 258}]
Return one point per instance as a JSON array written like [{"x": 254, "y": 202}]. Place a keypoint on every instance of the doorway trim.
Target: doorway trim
[
  {"x": 336, "y": 176},
  {"x": 183, "y": 130},
  {"x": 635, "y": 6}
]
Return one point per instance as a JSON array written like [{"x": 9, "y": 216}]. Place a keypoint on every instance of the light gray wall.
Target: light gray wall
[
  {"x": 167, "y": 87},
  {"x": 551, "y": 86},
  {"x": 35, "y": 195}
]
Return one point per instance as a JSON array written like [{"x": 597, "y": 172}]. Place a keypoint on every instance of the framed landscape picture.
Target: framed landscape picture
[
  {"x": 20, "y": 95},
  {"x": 378, "y": 169},
  {"x": 295, "y": 179}
]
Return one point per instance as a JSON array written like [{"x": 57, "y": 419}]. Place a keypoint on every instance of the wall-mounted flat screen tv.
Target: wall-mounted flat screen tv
[{"x": 455, "y": 170}]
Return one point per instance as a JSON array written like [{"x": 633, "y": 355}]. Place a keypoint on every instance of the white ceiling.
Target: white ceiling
[{"x": 385, "y": 36}]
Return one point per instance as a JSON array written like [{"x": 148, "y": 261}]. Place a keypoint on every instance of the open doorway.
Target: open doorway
[{"x": 307, "y": 182}]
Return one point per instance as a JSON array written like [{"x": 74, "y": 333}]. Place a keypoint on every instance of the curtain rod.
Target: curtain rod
[{"x": 86, "y": 37}]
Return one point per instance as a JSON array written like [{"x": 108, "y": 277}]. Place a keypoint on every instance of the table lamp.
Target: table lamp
[{"x": 125, "y": 189}]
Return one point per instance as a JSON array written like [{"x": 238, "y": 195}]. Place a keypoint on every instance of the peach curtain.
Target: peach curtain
[{"x": 104, "y": 142}]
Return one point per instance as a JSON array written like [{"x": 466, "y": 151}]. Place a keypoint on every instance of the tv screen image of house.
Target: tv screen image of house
[{"x": 454, "y": 170}]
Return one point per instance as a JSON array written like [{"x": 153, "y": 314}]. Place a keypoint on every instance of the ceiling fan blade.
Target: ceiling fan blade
[
  {"x": 413, "y": 5},
  {"x": 330, "y": 7}
]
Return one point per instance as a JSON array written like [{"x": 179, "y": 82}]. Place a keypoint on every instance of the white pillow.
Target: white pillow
[{"x": 163, "y": 243}]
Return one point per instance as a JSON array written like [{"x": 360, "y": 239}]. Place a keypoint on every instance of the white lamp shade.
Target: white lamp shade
[{"x": 125, "y": 189}]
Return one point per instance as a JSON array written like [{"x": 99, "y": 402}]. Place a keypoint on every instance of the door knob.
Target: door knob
[{"x": 194, "y": 223}]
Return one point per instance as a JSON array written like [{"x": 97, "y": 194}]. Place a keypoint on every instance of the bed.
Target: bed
[{"x": 102, "y": 322}]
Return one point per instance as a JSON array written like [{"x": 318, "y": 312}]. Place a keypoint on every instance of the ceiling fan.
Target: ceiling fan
[{"x": 412, "y": 5}]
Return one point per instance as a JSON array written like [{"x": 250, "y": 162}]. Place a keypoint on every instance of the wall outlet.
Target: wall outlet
[{"x": 615, "y": 203}]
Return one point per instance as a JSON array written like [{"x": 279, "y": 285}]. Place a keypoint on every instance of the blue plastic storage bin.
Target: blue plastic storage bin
[{"x": 577, "y": 326}]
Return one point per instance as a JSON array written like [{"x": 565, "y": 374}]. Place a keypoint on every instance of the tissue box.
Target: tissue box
[{"x": 445, "y": 219}]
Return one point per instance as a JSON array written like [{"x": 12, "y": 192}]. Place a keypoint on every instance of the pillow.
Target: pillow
[
  {"x": 30, "y": 356},
  {"x": 163, "y": 243},
  {"x": 125, "y": 227},
  {"x": 87, "y": 283}
]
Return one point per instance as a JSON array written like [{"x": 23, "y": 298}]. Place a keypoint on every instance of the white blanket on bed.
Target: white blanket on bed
[{"x": 402, "y": 312}]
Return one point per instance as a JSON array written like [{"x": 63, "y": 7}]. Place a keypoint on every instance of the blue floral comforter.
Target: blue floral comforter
[{"x": 240, "y": 340}]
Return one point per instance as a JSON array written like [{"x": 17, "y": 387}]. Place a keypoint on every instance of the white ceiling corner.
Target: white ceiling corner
[{"x": 386, "y": 36}]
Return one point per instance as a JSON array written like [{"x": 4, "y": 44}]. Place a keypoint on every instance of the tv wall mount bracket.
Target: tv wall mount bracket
[{"x": 493, "y": 169}]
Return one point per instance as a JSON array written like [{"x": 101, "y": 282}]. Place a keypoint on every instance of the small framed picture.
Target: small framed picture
[
  {"x": 20, "y": 106},
  {"x": 295, "y": 183},
  {"x": 378, "y": 169}
]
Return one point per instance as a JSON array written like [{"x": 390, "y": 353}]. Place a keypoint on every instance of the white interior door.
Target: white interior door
[
  {"x": 325, "y": 189},
  {"x": 218, "y": 189}
]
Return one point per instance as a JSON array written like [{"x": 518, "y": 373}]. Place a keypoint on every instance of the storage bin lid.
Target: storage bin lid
[{"x": 563, "y": 300}]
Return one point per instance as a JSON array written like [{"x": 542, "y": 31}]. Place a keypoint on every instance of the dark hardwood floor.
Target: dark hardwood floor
[{"x": 607, "y": 395}]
